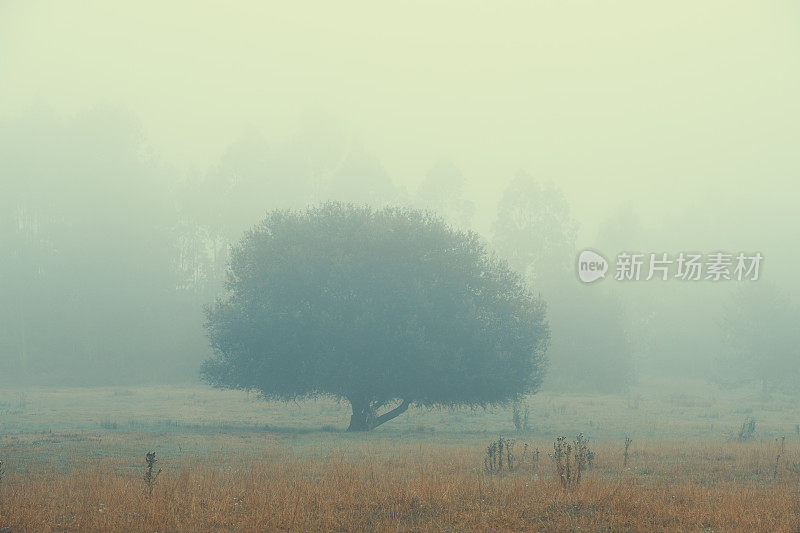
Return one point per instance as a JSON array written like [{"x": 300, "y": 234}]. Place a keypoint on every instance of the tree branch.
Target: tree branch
[
  {"x": 377, "y": 405},
  {"x": 397, "y": 411}
]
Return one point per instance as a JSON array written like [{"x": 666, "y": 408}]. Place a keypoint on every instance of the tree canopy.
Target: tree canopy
[{"x": 376, "y": 307}]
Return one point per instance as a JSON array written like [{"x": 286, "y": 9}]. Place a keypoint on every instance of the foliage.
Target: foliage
[{"x": 379, "y": 308}]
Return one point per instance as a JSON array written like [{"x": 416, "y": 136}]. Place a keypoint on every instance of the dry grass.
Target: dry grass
[
  {"x": 420, "y": 486},
  {"x": 74, "y": 460}
]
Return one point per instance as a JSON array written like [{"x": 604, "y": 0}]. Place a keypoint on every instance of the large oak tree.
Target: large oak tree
[{"x": 383, "y": 309}]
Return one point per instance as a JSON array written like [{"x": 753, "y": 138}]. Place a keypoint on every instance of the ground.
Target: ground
[{"x": 73, "y": 458}]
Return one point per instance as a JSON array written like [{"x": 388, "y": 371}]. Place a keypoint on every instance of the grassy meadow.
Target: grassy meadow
[{"x": 74, "y": 459}]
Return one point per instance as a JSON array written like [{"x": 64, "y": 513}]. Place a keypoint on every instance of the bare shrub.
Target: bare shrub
[
  {"x": 628, "y": 442},
  {"x": 520, "y": 414},
  {"x": 778, "y": 457},
  {"x": 571, "y": 459},
  {"x": 151, "y": 475},
  {"x": 500, "y": 456},
  {"x": 748, "y": 429}
]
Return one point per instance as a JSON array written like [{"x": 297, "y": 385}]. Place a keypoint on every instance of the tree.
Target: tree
[
  {"x": 383, "y": 309},
  {"x": 760, "y": 337},
  {"x": 442, "y": 191},
  {"x": 535, "y": 231},
  {"x": 87, "y": 279}
]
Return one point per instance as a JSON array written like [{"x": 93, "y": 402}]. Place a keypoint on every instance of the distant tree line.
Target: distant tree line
[{"x": 108, "y": 255}]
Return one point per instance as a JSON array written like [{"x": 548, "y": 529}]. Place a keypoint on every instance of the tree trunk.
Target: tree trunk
[
  {"x": 365, "y": 414},
  {"x": 362, "y": 417}
]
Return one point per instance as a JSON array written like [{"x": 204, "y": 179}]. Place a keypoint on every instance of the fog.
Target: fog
[{"x": 138, "y": 141}]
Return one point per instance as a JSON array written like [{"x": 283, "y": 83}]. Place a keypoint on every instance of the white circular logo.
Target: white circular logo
[{"x": 591, "y": 266}]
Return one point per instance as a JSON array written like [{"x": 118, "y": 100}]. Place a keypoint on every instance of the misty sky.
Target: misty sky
[{"x": 685, "y": 112}]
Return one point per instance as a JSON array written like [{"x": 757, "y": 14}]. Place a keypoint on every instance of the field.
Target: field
[{"x": 73, "y": 459}]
